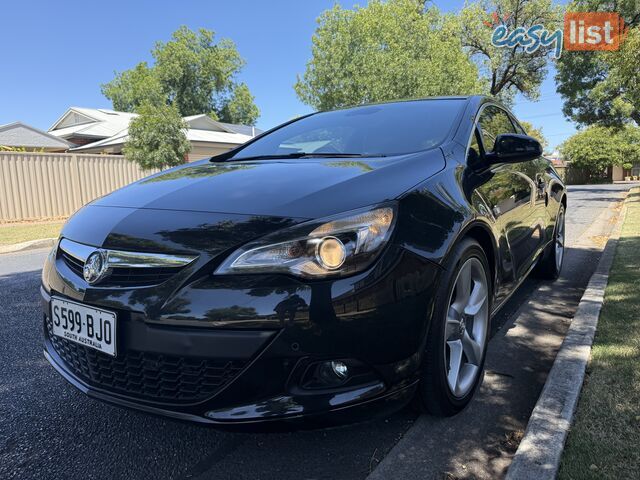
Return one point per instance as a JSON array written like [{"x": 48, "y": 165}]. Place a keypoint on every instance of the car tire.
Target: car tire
[
  {"x": 550, "y": 263},
  {"x": 453, "y": 361}
]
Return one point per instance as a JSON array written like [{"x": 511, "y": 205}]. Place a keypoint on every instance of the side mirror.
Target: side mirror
[{"x": 514, "y": 148}]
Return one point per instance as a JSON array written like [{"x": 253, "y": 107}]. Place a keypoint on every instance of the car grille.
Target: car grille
[
  {"x": 147, "y": 376},
  {"x": 124, "y": 277},
  {"x": 73, "y": 263}
]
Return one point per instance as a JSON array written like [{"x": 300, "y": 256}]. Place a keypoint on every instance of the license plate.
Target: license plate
[{"x": 85, "y": 325}]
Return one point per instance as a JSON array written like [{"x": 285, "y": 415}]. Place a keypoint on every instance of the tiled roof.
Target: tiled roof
[{"x": 18, "y": 134}]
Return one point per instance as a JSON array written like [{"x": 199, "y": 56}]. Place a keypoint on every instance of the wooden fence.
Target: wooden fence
[
  {"x": 578, "y": 176},
  {"x": 35, "y": 186}
]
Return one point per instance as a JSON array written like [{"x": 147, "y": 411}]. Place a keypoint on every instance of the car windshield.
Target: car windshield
[{"x": 371, "y": 130}]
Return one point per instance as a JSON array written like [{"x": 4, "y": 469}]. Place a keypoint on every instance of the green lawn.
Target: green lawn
[
  {"x": 604, "y": 441},
  {"x": 23, "y": 232}
]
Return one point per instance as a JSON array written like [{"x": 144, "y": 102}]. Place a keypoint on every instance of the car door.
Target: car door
[
  {"x": 538, "y": 171},
  {"x": 510, "y": 193}
]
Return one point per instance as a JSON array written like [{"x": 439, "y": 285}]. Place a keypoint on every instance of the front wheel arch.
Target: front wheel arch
[
  {"x": 481, "y": 235},
  {"x": 480, "y": 232}
]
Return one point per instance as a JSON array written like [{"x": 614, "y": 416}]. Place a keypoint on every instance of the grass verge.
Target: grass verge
[
  {"x": 604, "y": 441},
  {"x": 23, "y": 232}
]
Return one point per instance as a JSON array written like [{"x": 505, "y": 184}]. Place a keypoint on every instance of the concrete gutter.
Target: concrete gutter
[
  {"x": 30, "y": 245},
  {"x": 540, "y": 451}
]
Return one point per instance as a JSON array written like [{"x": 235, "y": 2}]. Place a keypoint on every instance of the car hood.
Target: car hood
[
  {"x": 168, "y": 231},
  {"x": 302, "y": 188}
]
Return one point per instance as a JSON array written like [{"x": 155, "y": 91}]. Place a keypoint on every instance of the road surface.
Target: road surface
[{"x": 50, "y": 430}]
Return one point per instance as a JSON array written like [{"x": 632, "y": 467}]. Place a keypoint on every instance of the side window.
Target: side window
[{"x": 493, "y": 121}]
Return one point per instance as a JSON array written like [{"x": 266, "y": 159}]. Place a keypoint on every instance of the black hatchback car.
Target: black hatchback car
[{"x": 332, "y": 268}]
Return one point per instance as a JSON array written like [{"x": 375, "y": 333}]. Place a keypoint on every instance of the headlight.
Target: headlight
[{"x": 334, "y": 246}]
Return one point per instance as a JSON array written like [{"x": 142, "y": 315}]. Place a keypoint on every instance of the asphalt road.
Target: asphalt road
[{"x": 49, "y": 430}]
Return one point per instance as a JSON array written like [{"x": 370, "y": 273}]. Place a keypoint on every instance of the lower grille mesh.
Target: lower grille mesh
[{"x": 147, "y": 376}]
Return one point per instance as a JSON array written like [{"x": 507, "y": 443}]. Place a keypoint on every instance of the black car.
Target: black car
[{"x": 330, "y": 269}]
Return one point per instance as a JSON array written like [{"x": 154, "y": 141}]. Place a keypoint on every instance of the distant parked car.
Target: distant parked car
[{"x": 329, "y": 269}]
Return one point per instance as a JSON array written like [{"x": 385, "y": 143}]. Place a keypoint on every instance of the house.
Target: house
[
  {"x": 106, "y": 131},
  {"x": 20, "y": 136},
  {"x": 82, "y": 126}
]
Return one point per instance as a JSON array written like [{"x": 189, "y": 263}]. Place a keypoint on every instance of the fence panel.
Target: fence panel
[{"x": 36, "y": 186}]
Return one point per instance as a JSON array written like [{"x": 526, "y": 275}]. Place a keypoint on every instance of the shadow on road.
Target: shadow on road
[{"x": 480, "y": 442}]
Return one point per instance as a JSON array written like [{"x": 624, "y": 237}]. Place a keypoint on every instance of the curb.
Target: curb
[
  {"x": 540, "y": 451},
  {"x": 30, "y": 245}
]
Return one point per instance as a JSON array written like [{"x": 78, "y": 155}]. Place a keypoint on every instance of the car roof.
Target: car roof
[{"x": 400, "y": 100}]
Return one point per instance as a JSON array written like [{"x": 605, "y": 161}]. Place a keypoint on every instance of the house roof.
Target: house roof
[
  {"x": 202, "y": 128},
  {"x": 103, "y": 123},
  {"x": 193, "y": 135},
  {"x": 243, "y": 129},
  {"x": 201, "y": 121},
  {"x": 110, "y": 128},
  {"x": 18, "y": 134},
  {"x": 90, "y": 122},
  {"x": 205, "y": 122}
]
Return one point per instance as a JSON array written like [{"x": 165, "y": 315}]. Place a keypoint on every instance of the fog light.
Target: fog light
[
  {"x": 331, "y": 253},
  {"x": 330, "y": 373},
  {"x": 340, "y": 369}
]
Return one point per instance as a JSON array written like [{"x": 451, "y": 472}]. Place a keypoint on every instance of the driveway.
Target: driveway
[{"x": 49, "y": 430}]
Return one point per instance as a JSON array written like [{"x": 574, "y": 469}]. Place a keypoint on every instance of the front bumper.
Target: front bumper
[
  {"x": 164, "y": 359},
  {"x": 350, "y": 411}
]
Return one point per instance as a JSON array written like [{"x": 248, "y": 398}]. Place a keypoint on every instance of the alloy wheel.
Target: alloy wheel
[{"x": 466, "y": 328}]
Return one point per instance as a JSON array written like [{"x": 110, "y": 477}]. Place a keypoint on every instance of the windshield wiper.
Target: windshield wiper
[{"x": 304, "y": 155}]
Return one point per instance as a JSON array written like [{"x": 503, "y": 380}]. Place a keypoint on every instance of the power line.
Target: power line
[
  {"x": 559, "y": 134},
  {"x": 543, "y": 98},
  {"x": 542, "y": 115}
]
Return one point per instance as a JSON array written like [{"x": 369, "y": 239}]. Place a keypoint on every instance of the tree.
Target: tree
[
  {"x": 157, "y": 137},
  {"x": 194, "y": 73},
  {"x": 597, "y": 147},
  {"x": 240, "y": 107},
  {"x": 602, "y": 87},
  {"x": 133, "y": 88},
  {"x": 509, "y": 70},
  {"x": 535, "y": 133},
  {"x": 629, "y": 140},
  {"x": 385, "y": 51}
]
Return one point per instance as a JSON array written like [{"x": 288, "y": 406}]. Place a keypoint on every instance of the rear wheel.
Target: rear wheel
[
  {"x": 550, "y": 264},
  {"x": 459, "y": 331}
]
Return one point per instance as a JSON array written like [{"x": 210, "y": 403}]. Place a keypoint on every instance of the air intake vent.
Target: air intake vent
[{"x": 147, "y": 376}]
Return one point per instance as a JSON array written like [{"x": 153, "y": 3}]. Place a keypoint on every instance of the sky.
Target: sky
[{"x": 54, "y": 55}]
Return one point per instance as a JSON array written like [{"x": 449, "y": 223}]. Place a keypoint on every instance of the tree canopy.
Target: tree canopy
[
  {"x": 535, "y": 133},
  {"x": 598, "y": 147},
  {"x": 404, "y": 49},
  {"x": 192, "y": 72},
  {"x": 602, "y": 87},
  {"x": 385, "y": 51},
  {"x": 509, "y": 70},
  {"x": 157, "y": 137}
]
